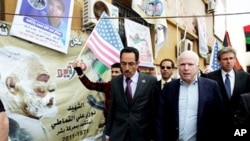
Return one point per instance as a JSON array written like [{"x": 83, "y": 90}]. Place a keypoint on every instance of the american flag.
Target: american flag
[
  {"x": 213, "y": 60},
  {"x": 105, "y": 42}
]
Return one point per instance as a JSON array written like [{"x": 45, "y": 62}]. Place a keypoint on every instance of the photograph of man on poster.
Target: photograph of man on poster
[
  {"x": 56, "y": 10},
  {"x": 27, "y": 90},
  {"x": 44, "y": 22}
]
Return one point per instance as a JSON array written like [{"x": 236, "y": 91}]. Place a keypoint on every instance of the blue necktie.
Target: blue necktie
[
  {"x": 228, "y": 86},
  {"x": 128, "y": 91}
]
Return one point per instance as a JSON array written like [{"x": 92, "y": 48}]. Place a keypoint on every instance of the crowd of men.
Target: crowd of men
[{"x": 207, "y": 107}]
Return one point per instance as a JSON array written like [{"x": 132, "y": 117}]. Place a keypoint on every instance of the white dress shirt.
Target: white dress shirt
[{"x": 133, "y": 84}]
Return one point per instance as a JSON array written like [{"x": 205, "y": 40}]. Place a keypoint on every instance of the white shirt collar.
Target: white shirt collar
[
  {"x": 231, "y": 73},
  {"x": 134, "y": 78}
]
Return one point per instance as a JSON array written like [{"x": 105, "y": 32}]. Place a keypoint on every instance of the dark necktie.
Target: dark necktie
[
  {"x": 228, "y": 86},
  {"x": 128, "y": 90}
]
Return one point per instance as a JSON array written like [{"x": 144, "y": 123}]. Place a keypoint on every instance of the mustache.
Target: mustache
[{"x": 126, "y": 71}]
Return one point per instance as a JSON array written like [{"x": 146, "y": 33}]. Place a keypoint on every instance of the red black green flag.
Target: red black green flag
[
  {"x": 227, "y": 43},
  {"x": 247, "y": 35}
]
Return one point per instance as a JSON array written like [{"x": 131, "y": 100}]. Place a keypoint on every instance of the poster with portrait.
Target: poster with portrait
[
  {"x": 43, "y": 96},
  {"x": 154, "y": 8},
  {"x": 44, "y": 22},
  {"x": 138, "y": 36}
]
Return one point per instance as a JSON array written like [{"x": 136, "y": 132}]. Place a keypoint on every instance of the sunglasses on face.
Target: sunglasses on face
[{"x": 166, "y": 67}]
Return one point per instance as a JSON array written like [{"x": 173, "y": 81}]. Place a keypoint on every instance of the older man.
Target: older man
[{"x": 191, "y": 108}]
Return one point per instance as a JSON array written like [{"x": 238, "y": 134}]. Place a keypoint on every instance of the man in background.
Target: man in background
[
  {"x": 98, "y": 86},
  {"x": 166, "y": 69},
  {"x": 191, "y": 107},
  {"x": 239, "y": 83},
  {"x": 166, "y": 66}
]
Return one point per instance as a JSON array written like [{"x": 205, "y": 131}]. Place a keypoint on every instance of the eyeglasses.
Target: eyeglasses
[{"x": 166, "y": 67}]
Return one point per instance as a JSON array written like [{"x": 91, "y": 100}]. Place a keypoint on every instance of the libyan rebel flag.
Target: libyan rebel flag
[
  {"x": 227, "y": 43},
  {"x": 247, "y": 35}
]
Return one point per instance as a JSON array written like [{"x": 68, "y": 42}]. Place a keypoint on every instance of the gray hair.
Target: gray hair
[
  {"x": 225, "y": 50},
  {"x": 189, "y": 53}
]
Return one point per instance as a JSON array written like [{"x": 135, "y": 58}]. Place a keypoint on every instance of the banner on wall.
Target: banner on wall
[
  {"x": 152, "y": 11},
  {"x": 42, "y": 95},
  {"x": 44, "y": 22},
  {"x": 138, "y": 36},
  {"x": 202, "y": 33}
]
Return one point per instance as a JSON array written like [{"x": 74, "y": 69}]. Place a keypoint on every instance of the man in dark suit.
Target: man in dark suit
[
  {"x": 166, "y": 66},
  {"x": 191, "y": 107},
  {"x": 239, "y": 83},
  {"x": 166, "y": 69},
  {"x": 130, "y": 114}
]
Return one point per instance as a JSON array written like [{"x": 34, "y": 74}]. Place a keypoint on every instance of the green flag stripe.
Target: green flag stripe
[{"x": 248, "y": 40}]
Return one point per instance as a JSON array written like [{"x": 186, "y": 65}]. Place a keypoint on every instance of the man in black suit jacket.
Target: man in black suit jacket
[
  {"x": 191, "y": 107},
  {"x": 239, "y": 80},
  {"x": 166, "y": 69},
  {"x": 131, "y": 120},
  {"x": 166, "y": 66}
]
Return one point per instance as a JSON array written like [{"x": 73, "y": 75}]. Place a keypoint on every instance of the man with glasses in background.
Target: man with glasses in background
[
  {"x": 166, "y": 66},
  {"x": 166, "y": 69}
]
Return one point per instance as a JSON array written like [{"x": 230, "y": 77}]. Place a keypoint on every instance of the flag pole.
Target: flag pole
[{"x": 80, "y": 54}]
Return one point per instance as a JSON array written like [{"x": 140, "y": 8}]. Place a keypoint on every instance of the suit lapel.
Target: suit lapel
[
  {"x": 202, "y": 98},
  {"x": 236, "y": 83},
  {"x": 220, "y": 82},
  {"x": 122, "y": 89},
  {"x": 175, "y": 93}
]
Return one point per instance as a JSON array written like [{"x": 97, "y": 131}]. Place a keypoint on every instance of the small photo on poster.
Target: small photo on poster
[
  {"x": 38, "y": 4},
  {"x": 151, "y": 7}
]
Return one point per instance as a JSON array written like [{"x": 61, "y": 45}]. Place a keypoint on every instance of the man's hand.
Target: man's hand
[{"x": 79, "y": 67}]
